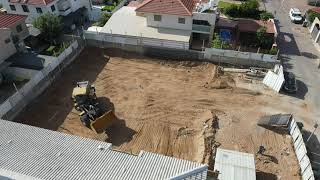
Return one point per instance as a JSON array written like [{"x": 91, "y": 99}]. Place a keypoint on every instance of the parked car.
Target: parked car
[
  {"x": 290, "y": 84},
  {"x": 295, "y": 15}
]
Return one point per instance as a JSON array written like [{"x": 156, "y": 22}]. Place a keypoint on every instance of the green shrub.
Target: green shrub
[
  {"x": 264, "y": 40},
  {"x": 312, "y": 15},
  {"x": 223, "y": 5},
  {"x": 266, "y": 16},
  {"x": 109, "y": 8},
  {"x": 218, "y": 44},
  {"x": 103, "y": 20},
  {"x": 232, "y": 10},
  {"x": 313, "y": 2},
  {"x": 50, "y": 50},
  {"x": 249, "y": 9},
  {"x": 273, "y": 51},
  {"x": 56, "y": 50},
  {"x": 1, "y": 6}
]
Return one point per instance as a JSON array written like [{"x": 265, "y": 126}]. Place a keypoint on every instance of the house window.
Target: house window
[
  {"x": 19, "y": 28},
  {"x": 39, "y": 10},
  {"x": 25, "y": 8},
  {"x": 53, "y": 8},
  {"x": 13, "y": 7},
  {"x": 7, "y": 41},
  {"x": 157, "y": 17},
  {"x": 182, "y": 20}
]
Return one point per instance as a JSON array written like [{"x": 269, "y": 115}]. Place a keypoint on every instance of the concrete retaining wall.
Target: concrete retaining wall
[
  {"x": 38, "y": 83},
  {"x": 180, "y": 51},
  {"x": 20, "y": 73}
]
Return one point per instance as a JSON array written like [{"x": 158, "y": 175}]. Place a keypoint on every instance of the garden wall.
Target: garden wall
[
  {"x": 39, "y": 82},
  {"x": 178, "y": 50}
]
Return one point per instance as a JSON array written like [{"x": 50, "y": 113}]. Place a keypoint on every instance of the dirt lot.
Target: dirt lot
[{"x": 180, "y": 109}]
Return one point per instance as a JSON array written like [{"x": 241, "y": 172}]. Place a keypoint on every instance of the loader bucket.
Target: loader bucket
[{"x": 103, "y": 122}]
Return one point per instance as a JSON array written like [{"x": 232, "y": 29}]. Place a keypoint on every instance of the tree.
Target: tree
[
  {"x": 265, "y": 16},
  {"x": 49, "y": 25},
  {"x": 232, "y": 10},
  {"x": 218, "y": 44},
  {"x": 249, "y": 8},
  {"x": 264, "y": 40}
]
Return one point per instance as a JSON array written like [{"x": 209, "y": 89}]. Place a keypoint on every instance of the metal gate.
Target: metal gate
[{"x": 315, "y": 32}]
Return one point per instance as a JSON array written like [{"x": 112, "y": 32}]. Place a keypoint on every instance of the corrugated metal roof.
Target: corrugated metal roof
[
  {"x": 45, "y": 154},
  {"x": 274, "y": 79},
  {"x": 233, "y": 165}
]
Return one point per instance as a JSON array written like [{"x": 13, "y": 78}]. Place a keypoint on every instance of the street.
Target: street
[{"x": 300, "y": 56}]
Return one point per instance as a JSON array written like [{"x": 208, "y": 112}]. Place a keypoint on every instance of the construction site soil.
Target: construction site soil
[{"x": 179, "y": 109}]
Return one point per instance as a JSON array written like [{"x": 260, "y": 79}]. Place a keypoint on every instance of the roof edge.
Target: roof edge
[{"x": 190, "y": 172}]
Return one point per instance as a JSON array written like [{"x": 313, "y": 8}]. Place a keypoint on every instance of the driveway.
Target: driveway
[{"x": 299, "y": 56}]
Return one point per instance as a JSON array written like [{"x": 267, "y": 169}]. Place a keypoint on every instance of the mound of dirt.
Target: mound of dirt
[{"x": 221, "y": 82}]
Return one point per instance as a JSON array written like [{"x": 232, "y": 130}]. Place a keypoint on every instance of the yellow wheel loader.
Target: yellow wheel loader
[{"x": 91, "y": 115}]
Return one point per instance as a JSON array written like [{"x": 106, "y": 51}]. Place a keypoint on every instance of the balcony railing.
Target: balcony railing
[
  {"x": 201, "y": 28},
  {"x": 65, "y": 12}
]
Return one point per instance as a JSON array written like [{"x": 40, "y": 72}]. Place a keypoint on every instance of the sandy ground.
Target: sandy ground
[{"x": 179, "y": 109}]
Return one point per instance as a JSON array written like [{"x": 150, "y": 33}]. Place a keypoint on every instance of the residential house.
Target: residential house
[
  {"x": 194, "y": 16},
  {"x": 34, "y": 8},
  {"x": 17, "y": 25},
  {"x": 7, "y": 47},
  {"x": 243, "y": 31},
  {"x": 13, "y": 31},
  {"x": 174, "y": 23}
]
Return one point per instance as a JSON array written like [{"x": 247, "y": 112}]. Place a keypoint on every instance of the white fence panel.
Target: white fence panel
[
  {"x": 308, "y": 174},
  {"x": 296, "y": 133},
  {"x": 274, "y": 79},
  {"x": 292, "y": 126},
  {"x": 298, "y": 142},
  {"x": 300, "y": 150},
  {"x": 304, "y": 163},
  {"x": 5, "y": 107}
]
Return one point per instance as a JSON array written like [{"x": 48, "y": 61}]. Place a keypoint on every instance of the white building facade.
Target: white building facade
[
  {"x": 34, "y": 8},
  {"x": 7, "y": 47}
]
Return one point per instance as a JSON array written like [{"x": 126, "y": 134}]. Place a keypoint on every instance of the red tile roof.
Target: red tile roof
[
  {"x": 134, "y": 4},
  {"x": 248, "y": 25},
  {"x": 316, "y": 9},
  {"x": 174, "y": 7},
  {"x": 32, "y": 2},
  {"x": 7, "y": 20}
]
